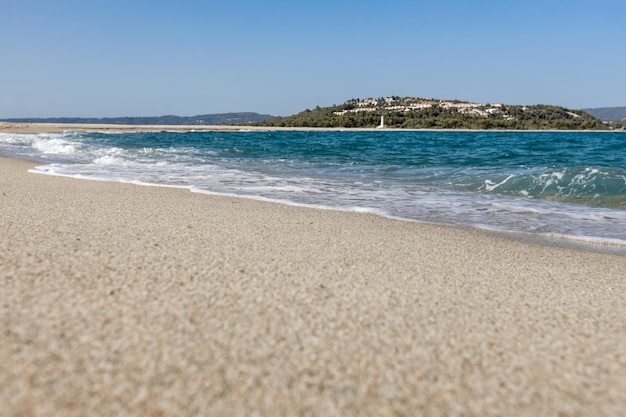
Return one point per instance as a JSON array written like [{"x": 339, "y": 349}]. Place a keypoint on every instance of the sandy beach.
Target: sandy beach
[{"x": 125, "y": 300}]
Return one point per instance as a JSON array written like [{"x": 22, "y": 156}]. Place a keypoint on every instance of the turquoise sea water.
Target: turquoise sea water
[{"x": 566, "y": 185}]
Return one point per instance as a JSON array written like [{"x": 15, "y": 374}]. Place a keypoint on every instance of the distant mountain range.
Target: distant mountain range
[
  {"x": 608, "y": 113},
  {"x": 205, "y": 119}
]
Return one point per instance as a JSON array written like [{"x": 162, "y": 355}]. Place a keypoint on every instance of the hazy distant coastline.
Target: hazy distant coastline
[
  {"x": 608, "y": 114},
  {"x": 241, "y": 118}
]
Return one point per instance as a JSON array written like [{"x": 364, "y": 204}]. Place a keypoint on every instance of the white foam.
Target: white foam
[
  {"x": 16, "y": 139},
  {"x": 109, "y": 160},
  {"x": 49, "y": 146},
  {"x": 490, "y": 185},
  {"x": 278, "y": 188}
]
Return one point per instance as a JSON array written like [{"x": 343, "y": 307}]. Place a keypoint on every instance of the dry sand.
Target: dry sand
[{"x": 122, "y": 300}]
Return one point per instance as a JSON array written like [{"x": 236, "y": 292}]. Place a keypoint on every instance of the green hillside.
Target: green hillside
[{"x": 415, "y": 112}]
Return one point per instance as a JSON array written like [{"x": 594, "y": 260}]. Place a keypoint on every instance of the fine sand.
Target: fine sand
[{"x": 123, "y": 300}]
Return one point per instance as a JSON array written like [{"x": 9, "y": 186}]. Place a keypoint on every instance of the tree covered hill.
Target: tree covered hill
[
  {"x": 415, "y": 112},
  {"x": 206, "y": 119}
]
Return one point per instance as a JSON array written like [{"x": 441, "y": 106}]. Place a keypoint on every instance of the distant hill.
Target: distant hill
[
  {"x": 608, "y": 113},
  {"x": 429, "y": 113},
  {"x": 205, "y": 119}
]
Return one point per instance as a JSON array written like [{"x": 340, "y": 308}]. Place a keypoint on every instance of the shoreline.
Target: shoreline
[
  {"x": 607, "y": 246},
  {"x": 135, "y": 300},
  {"x": 572, "y": 242},
  {"x": 23, "y": 128}
]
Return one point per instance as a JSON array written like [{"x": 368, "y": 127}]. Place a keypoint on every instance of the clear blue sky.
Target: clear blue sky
[{"x": 149, "y": 58}]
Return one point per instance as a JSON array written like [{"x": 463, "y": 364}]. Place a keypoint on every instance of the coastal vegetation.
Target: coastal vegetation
[{"x": 422, "y": 113}]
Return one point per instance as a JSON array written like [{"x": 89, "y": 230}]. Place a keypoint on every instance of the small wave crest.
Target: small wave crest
[
  {"x": 39, "y": 146},
  {"x": 588, "y": 185},
  {"x": 109, "y": 160},
  {"x": 54, "y": 146}
]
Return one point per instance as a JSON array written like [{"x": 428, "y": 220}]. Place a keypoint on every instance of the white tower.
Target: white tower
[{"x": 382, "y": 123}]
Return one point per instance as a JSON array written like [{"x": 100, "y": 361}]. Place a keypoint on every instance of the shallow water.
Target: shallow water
[{"x": 568, "y": 185}]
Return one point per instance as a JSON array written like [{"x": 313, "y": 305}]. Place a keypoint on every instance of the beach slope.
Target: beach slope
[{"x": 129, "y": 300}]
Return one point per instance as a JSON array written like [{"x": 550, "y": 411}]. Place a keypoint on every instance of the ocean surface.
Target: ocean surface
[{"x": 566, "y": 186}]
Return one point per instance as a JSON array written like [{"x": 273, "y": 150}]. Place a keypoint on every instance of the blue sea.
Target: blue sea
[{"x": 565, "y": 186}]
